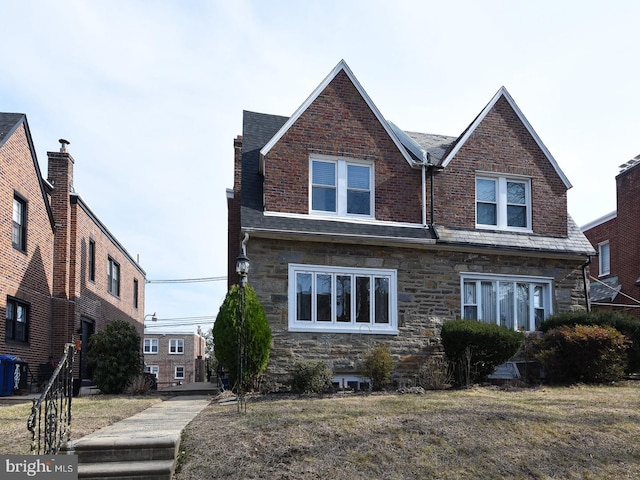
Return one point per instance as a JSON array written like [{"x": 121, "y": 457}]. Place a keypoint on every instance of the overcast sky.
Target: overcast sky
[{"x": 150, "y": 94}]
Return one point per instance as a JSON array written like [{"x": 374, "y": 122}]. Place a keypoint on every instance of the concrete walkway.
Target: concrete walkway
[{"x": 141, "y": 447}]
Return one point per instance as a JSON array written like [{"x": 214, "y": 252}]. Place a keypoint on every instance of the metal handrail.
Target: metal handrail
[{"x": 50, "y": 418}]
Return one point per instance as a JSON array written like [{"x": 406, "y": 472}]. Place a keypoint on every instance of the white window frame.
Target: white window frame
[
  {"x": 150, "y": 346},
  {"x": 341, "y": 164},
  {"x": 501, "y": 201},
  {"x": 175, "y": 372},
  {"x": 176, "y": 346},
  {"x": 604, "y": 261},
  {"x": 333, "y": 325},
  {"x": 547, "y": 295},
  {"x": 155, "y": 369}
]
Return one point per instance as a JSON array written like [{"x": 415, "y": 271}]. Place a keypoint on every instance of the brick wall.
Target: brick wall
[
  {"x": 428, "y": 295},
  {"x": 501, "y": 144},
  {"x": 339, "y": 123},
  {"x": 26, "y": 276},
  {"x": 166, "y": 362}
]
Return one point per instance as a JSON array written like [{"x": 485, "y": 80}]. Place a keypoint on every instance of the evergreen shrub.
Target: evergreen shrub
[
  {"x": 311, "y": 377},
  {"x": 583, "y": 353},
  {"x": 475, "y": 348},
  {"x": 377, "y": 364}
]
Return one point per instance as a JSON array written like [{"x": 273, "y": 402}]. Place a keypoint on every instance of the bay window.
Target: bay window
[
  {"x": 355, "y": 300},
  {"x": 517, "y": 303}
]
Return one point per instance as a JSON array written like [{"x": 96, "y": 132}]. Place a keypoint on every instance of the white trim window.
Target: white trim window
[
  {"x": 155, "y": 369},
  {"x": 341, "y": 299},
  {"x": 178, "y": 372},
  {"x": 503, "y": 203},
  {"x": 604, "y": 259},
  {"x": 176, "y": 346},
  {"x": 518, "y": 303},
  {"x": 340, "y": 186},
  {"x": 150, "y": 345}
]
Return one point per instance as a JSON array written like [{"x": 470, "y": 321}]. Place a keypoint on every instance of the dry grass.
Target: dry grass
[
  {"x": 581, "y": 432},
  {"x": 88, "y": 415}
]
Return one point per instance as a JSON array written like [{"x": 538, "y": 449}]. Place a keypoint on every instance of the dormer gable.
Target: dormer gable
[
  {"x": 340, "y": 67},
  {"x": 503, "y": 94}
]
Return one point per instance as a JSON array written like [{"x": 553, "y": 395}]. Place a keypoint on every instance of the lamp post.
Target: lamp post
[
  {"x": 152, "y": 315},
  {"x": 242, "y": 269}
]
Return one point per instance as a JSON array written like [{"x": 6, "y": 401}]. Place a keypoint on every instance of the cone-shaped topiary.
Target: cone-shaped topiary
[{"x": 257, "y": 331}]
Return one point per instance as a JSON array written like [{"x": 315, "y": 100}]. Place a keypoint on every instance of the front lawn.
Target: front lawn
[{"x": 581, "y": 432}]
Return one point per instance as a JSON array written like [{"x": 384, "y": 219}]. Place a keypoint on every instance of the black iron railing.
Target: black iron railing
[{"x": 50, "y": 419}]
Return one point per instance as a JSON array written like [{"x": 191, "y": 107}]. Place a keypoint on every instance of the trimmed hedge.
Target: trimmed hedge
[
  {"x": 475, "y": 348},
  {"x": 625, "y": 324},
  {"x": 377, "y": 364},
  {"x": 583, "y": 353}
]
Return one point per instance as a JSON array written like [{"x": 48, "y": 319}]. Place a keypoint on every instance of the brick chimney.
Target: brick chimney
[{"x": 60, "y": 175}]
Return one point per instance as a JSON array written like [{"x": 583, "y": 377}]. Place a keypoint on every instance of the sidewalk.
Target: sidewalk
[{"x": 143, "y": 446}]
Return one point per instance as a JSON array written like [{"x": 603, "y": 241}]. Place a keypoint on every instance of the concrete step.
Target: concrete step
[
  {"x": 100, "y": 450},
  {"x": 156, "y": 470}
]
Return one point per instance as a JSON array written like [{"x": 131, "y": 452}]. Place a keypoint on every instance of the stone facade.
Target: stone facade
[{"x": 428, "y": 295}]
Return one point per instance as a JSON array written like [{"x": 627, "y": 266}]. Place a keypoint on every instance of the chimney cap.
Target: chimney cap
[{"x": 63, "y": 145}]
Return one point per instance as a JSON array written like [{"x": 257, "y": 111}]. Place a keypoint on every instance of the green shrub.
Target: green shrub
[
  {"x": 114, "y": 356},
  {"x": 583, "y": 353},
  {"x": 627, "y": 325},
  {"x": 475, "y": 348},
  {"x": 377, "y": 364},
  {"x": 311, "y": 377},
  {"x": 226, "y": 331}
]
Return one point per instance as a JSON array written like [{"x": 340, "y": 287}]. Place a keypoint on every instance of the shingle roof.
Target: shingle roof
[
  {"x": 8, "y": 123},
  {"x": 574, "y": 244},
  {"x": 436, "y": 145},
  {"x": 604, "y": 290}
]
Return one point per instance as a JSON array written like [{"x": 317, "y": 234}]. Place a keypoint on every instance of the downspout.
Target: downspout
[
  {"x": 424, "y": 194},
  {"x": 587, "y": 300},
  {"x": 433, "y": 194}
]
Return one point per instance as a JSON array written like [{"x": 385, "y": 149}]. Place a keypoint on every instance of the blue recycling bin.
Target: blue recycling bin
[{"x": 7, "y": 369}]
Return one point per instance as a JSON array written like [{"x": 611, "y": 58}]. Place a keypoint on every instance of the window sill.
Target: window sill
[{"x": 361, "y": 329}]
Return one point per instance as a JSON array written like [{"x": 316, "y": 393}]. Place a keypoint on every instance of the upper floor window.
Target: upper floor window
[
  {"x": 113, "y": 277},
  {"x": 341, "y": 187},
  {"x": 135, "y": 293},
  {"x": 92, "y": 260},
  {"x": 19, "y": 232},
  {"x": 176, "y": 345},
  {"x": 150, "y": 345},
  {"x": 604, "y": 259},
  {"x": 17, "y": 320},
  {"x": 356, "y": 300},
  {"x": 517, "y": 303},
  {"x": 504, "y": 203}
]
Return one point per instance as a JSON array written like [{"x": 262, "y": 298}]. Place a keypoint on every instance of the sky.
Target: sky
[{"x": 150, "y": 94}]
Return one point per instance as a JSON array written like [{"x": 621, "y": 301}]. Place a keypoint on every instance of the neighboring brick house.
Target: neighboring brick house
[
  {"x": 175, "y": 358},
  {"x": 360, "y": 233},
  {"x": 64, "y": 275},
  {"x": 616, "y": 237}
]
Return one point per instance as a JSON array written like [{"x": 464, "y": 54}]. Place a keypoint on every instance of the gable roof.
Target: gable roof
[
  {"x": 9, "y": 123},
  {"x": 341, "y": 67},
  {"x": 502, "y": 93}
]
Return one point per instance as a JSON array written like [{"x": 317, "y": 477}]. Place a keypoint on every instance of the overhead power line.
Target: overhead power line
[{"x": 190, "y": 280}]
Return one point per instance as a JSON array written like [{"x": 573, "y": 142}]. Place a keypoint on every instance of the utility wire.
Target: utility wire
[{"x": 190, "y": 280}]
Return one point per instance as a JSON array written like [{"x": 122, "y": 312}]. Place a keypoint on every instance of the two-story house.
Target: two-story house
[
  {"x": 616, "y": 236},
  {"x": 64, "y": 274},
  {"x": 361, "y": 233},
  {"x": 174, "y": 358}
]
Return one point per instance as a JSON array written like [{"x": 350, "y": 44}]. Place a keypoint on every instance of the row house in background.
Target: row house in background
[
  {"x": 615, "y": 282},
  {"x": 174, "y": 358},
  {"x": 64, "y": 274},
  {"x": 361, "y": 233}
]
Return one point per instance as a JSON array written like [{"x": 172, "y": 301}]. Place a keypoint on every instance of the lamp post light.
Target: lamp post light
[
  {"x": 152, "y": 315},
  {"x": 242, "y": 269}
]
